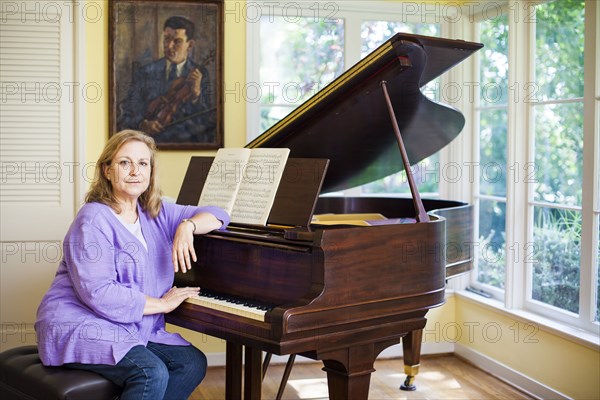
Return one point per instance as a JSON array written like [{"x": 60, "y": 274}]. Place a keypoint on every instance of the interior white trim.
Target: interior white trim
[{"x": 80, "y": 111}]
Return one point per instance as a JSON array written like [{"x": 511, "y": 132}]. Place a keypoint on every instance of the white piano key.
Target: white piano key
[{"x": 228, "y": 307}]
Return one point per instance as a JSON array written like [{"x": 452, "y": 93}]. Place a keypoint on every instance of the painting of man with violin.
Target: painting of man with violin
[{"x": 171, "y": 98}]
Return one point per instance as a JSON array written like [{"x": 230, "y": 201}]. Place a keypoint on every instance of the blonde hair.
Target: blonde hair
[{"x": 101, "y": 190}]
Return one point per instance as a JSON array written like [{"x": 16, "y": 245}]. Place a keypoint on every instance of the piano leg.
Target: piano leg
[
  {"x": 349, "y": 370},
  {"x": 411, "y": 347},
  {"x": 286, "y": 373},
  {"x": 233, "y": 371},
  {"x": 286, "y": 376},
  {"x": 266, "y": 363},
  {"x": 252, "y": 373}
]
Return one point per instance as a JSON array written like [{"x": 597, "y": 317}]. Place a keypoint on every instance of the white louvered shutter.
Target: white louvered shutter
[
  {"x": 37, "y": 96},
  {"x": 37, "y": 165}
]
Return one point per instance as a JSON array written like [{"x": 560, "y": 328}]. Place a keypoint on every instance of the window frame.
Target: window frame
[{"x": 519, "y": 198}]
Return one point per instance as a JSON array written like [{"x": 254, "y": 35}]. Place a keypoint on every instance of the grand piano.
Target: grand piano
[{"x": 338, "y": 293}]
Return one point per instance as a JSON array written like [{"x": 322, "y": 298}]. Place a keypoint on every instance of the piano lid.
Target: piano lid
[{"x": 348, "y": 122}]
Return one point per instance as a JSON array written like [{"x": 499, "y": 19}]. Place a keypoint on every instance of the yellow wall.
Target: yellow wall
[{"x": 562, "y": 364}]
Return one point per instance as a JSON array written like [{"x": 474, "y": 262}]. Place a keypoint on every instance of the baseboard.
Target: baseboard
[{"x": 507, "y": 374}]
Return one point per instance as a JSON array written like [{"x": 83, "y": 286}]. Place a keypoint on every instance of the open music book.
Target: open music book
[{"x": 244, "y": 182}]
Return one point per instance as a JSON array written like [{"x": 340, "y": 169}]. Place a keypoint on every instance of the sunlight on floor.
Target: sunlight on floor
[
  {"x": 440, "y": 379},
  {"x": 397, "y": 377},
  {"x": 310, "y": 388}
]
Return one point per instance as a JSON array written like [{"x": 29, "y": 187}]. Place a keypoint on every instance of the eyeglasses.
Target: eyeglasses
[{"x": 128, "y": 165}]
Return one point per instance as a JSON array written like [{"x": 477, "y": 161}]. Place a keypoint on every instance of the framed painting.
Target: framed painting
[{"x": 166, "y": 71}]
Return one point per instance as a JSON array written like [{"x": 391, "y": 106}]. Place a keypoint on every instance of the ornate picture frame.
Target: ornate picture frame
[{"x": 166, "y": 71}]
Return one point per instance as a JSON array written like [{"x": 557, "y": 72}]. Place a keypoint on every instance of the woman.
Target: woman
[{"x": 104, "y": 311}]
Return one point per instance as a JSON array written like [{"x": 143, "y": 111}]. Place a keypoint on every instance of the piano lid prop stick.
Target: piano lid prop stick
[{"x": 422, "y": 215}]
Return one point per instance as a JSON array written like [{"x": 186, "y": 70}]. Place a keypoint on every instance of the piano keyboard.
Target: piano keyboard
[{"x": 231, "y": 304}]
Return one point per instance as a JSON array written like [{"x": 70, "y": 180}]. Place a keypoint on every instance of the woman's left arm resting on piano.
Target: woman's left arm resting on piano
[{"x": 183, "y": 242}]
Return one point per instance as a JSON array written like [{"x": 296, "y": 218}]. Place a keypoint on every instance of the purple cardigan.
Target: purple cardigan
[{"x": 93, "y": 311}]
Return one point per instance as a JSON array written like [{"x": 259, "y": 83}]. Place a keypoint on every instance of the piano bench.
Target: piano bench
[{"x": 22, "y": 376}]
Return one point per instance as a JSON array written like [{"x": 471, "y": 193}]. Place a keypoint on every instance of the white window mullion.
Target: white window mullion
[
  {"x": 461, "y": 147},
  {"x": 465, "y": 146},
  {"x": 519, "y": 131},
  {"x": 252, "y": 76},
  {"x": 589, "y": 242},
  {"x": 352, "y": 31}
]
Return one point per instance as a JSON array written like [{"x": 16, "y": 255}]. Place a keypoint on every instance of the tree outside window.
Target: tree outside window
[
  {"x": 493, "y": 122},
  {"x": 297, "y": 59},
  {"x": 558, "y": 152}
]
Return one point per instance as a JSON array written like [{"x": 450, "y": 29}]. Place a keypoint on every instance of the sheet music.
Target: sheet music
[
  {"x": 260, "y": 180},
  {"x": 224, "y": 178},
  {"x": 244, "y": 182}
]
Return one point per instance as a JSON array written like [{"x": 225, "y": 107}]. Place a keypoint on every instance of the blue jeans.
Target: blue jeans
[{"x": 157, "y": 371}]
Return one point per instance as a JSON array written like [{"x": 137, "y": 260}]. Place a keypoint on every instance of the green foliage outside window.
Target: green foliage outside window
[
  {"x": 556, "y": 174},
  {"x": 558, "y": 153},
  {"x": 559, "y": 127},
  {"x": 298, "y": 58},
  {"x": 491, "y": 247},
  {"x": 493, "y": 122},
  {"x": 555, "y": 257}
]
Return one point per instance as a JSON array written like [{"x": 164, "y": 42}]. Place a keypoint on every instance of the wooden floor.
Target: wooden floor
[{"x": 440, "y": 377}]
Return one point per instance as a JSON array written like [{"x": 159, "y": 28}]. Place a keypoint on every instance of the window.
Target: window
[
  {"x": 492, "y": 115},
  {"x": 297, "y": 60},
  {"x": 303, "y": 46},
  {"x": 533, "y": 223},
  {"x": 558, "y": 155}
]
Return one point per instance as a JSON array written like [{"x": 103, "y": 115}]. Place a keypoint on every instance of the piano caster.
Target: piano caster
[{"x": 409, "y": 383}]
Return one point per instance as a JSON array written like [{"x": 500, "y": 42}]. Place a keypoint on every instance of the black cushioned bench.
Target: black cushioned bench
[{"x": 22, "y": 376}]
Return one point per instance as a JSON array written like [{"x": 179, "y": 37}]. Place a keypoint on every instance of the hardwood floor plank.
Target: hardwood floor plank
[{"x": 440, "y": 377}]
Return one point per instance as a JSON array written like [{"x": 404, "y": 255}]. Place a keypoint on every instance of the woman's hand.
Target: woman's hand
[
  {"x": 170, "y": 300},
  {"x": 183, "y": 247},
  {"x": 183, "y": 242}
]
